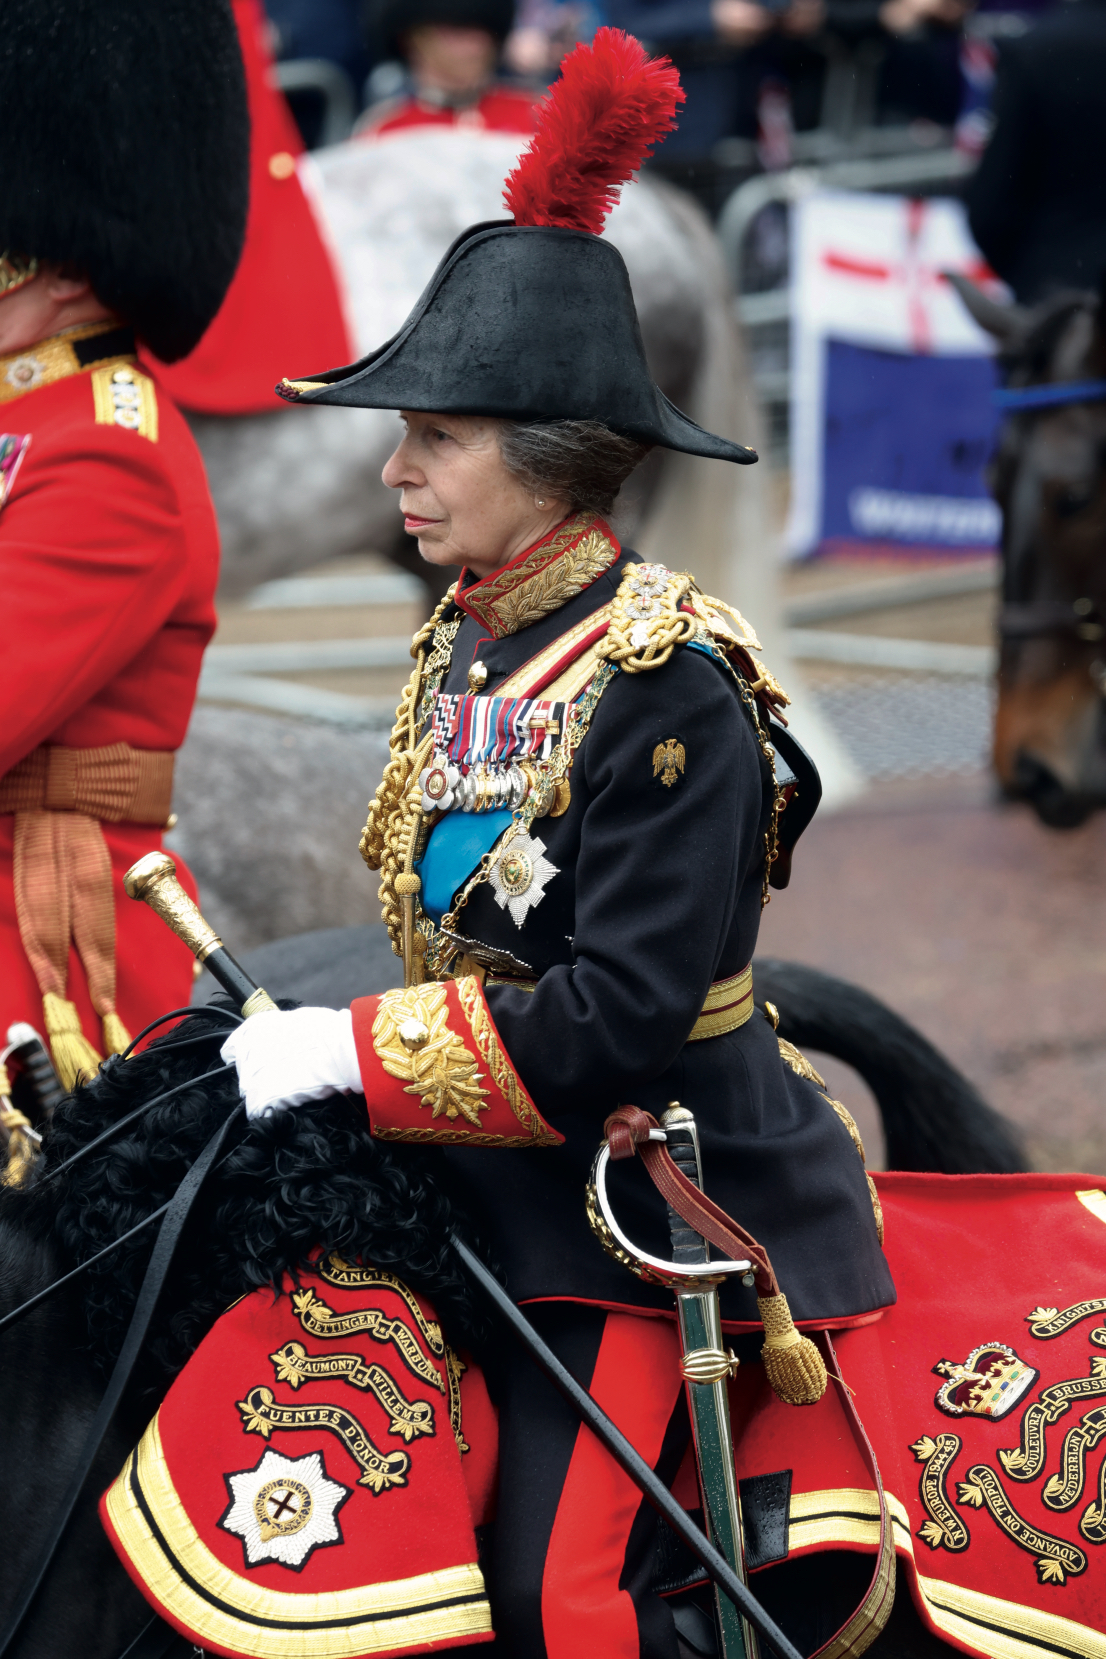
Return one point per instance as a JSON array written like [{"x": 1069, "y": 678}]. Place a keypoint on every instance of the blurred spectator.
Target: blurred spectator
[
  {"x": 728, "y": 53},
  {"x": 920, "y": 75},
  {"x": 544, "y": 32},
  {"x": 1037, "y": 205},
  {"x": 450, "y": 51}
]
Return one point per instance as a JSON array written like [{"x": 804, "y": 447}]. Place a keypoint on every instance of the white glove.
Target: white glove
[{"x": 285, "y": 1059}]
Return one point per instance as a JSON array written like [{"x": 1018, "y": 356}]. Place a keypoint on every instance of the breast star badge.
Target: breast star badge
[
  {"x": 668, "y": 760},
  {"x": 519, "y": 876},
  {"x": 284, "y": 1509}
]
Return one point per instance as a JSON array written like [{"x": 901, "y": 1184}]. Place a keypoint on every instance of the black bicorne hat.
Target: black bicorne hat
[
  {"x": 124, "y": 150},
  {"x": 533, "y": 318}
]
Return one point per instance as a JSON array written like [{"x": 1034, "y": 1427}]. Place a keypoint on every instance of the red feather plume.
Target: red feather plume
[{"x": 599, "y": 123}]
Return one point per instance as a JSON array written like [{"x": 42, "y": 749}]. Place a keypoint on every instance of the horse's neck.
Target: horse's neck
[{"x": 50, "y": 1393}]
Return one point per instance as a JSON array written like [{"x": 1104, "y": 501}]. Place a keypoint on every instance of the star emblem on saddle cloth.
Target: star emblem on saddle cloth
[
  {"x": 284, "y": 1508},
  {"x": 519, "y": 876}
]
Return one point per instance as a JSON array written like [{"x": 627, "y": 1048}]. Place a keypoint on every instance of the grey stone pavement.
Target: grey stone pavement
[{"x": 983, "y": 928}]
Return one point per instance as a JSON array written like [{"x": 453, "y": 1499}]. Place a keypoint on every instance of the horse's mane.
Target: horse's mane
[{"x": 301, "y": 1179}]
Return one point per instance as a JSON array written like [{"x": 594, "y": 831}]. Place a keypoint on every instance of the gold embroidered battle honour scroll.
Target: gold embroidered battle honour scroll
[
  {"x": 1056, "y": 1559},
  {"x": 407, "y": 1418},
  {"x": 943, "y": 1529},
  {"x": 1025, "y": 1461},
  {"x": 320, "y": 1320},
  {"x": 381, "y": 1470}
]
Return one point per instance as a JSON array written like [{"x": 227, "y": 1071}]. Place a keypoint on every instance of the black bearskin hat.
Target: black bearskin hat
[
  {"x": 391, "y": 19},
  {"x": 124, "y": 148},
  {"x": 534, "y": 319}
]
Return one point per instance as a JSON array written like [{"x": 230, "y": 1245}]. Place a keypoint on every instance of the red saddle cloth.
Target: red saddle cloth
[
  {"x": 313, "y": 1478},
  {"x": 983, "y": 1392}
]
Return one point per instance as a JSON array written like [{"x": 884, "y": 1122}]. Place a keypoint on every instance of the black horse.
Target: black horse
[
  {"x": 1048, "y": 477},
  {"x": 283, "y": 1187}
]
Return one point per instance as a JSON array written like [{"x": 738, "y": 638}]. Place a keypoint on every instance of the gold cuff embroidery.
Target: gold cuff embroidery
[
  {"x": 503, "y": 1073},
  {"x": 413, "y": 1042}
]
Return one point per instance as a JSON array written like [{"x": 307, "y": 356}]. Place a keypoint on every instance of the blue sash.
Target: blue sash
[{"x": 456, "y": 846}]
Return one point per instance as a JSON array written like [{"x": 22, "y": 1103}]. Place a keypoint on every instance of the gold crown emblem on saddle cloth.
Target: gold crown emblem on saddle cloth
[{"x": 990, "y": 1382}]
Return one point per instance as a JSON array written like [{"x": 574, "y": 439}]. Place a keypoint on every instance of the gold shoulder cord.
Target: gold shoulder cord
[
  {"x": 389, "y": 839},
  {"x": 394, "y": 837}
]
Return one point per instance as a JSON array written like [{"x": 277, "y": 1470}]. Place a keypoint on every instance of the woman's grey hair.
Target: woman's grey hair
[{"x": 581, "y": 462}]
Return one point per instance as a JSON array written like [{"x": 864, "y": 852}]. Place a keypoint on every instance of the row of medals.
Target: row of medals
[{"x": 485, "y": 787}]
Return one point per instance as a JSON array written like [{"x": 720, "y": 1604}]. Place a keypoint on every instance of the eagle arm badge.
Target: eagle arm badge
[{"x": 668, "y": 760}]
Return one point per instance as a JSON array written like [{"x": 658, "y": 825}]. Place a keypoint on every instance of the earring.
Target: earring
[{"x": 539, "y": 501}]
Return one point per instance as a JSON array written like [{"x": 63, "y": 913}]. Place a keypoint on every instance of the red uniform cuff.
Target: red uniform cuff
[{"x": 434, "y": 1069}]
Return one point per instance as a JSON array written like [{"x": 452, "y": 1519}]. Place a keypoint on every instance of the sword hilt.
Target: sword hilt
[
  {"x": 154, "y": 880},
  {"x": 682, "y": 1146}
]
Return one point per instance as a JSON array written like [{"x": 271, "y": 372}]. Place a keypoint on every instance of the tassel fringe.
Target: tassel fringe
[
  {"x": 792, "y": 1364},
  {"x": 74, "y": 1057},
  {"x": 116, "y": 1036},
  {"x": 22, "y": 1151}
]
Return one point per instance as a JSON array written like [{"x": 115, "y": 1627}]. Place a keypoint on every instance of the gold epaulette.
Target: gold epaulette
[
  {"x": 656, "y": 609},
  {"x": 647, "y": 621},
  {"x": 125, "y": 397}
]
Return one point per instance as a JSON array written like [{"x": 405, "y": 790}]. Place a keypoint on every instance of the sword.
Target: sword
[{"x": 706, "y": 1366}]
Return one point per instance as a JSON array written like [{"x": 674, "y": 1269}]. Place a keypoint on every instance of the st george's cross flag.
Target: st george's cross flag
[{"x": 892, "y": 419}]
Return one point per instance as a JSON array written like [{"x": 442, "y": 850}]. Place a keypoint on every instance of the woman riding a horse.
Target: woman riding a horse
[{"x": 583, "y": 811}]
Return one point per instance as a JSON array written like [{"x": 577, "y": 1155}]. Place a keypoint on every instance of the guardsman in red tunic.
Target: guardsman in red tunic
[
  {"x": 451, "y": 48},
  {"x": 124, "y": 150}
]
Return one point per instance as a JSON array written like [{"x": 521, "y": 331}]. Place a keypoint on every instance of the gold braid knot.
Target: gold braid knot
[{"x": 647, "y": 626}]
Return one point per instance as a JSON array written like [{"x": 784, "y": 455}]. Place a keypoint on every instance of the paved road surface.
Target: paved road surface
[{"x": 984, "y": 929}]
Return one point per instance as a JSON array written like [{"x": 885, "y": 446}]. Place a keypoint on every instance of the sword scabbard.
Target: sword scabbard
[{"x": 706, "y": 1367}]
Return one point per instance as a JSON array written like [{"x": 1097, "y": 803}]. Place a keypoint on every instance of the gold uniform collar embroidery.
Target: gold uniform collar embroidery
[
  {"x": 541, "y": 579},
  {"x": 74, "y": 352}
]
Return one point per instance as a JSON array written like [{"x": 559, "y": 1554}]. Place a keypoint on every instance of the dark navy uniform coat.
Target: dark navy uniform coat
[{"x": 658, "y": 893}]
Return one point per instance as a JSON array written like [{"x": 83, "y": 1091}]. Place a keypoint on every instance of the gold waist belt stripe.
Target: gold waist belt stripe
[
  {"x": 62, "y": 876},
  {"x": 729, "y": 1003}
]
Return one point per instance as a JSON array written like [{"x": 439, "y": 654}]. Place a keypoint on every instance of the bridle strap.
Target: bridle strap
[
  {"x": 1029, "y": 619},
  {"x": 1012, "y": 400},
  {"x": 157, "y": 1270}
]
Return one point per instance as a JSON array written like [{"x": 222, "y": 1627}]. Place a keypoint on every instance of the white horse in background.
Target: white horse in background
[{"x": 301, "y": 485}]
